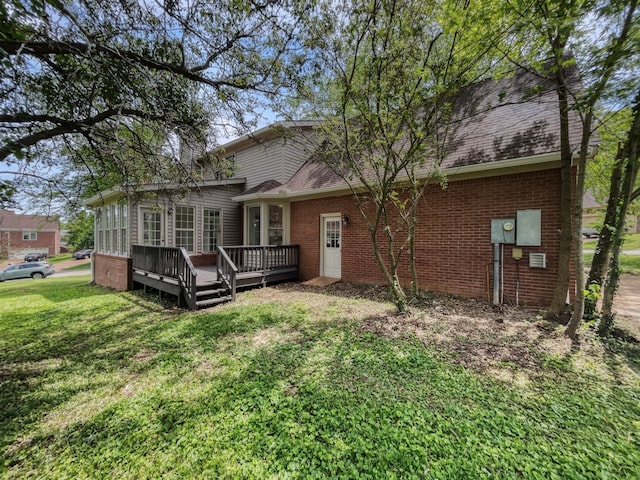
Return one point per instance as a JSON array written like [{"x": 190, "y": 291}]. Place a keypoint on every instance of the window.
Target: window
[
  {"x": 106, "y": 225},
  {"x": 210, "y": 229},
  {"x": 124, "y": 231},
  {"x": 253, "y": 225},
  {"x": 184, "y": 227},
  {"x": 151, "y": 228},
  {"x": 29, "y": 235},
  {"x": 275, "y": 225},
  {"x": 112, "y": 230}
]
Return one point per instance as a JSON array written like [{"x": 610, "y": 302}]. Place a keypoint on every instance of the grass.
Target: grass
[
  {"x": 62, "y": 257},
  {"x": 631, "y": 242},
  {"x": 81, "y": 266},
  {"x": 295, "y": 383},
  {"x": 629, "y": 263}
]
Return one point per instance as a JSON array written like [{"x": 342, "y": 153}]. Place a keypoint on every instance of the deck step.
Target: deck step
[
  {"x": 215, "y": 291},
  {"x": 213, "y": 301}
]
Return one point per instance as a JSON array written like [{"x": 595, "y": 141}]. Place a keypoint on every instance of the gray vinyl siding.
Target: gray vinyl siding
[
  {"x": 260, "y": 162},
  {"x": 208, "y": 198},
  {"x": 276, "y": 159},
  {"x": 297, "y": 152}
]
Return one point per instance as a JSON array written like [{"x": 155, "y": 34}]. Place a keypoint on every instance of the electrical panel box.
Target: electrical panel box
[
  {"x": 529, "y": 228},
  {"x": 503, "y": 230}
]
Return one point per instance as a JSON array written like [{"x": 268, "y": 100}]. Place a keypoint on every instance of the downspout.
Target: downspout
[{"x": 496, "y": 273}]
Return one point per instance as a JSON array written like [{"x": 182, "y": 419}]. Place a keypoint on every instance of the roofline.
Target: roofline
[
  {"x": 107, "y": 196},
  {"x": 266, "y": 132},
  {"x": 515, "y": 165}
]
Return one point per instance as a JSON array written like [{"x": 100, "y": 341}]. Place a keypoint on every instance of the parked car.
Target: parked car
[
  {"x": 35, "y": 257},
  {"x": 82, "y": 254},
  {"x": 33, "y": 270},
  {"x": 589, "y": 232}
]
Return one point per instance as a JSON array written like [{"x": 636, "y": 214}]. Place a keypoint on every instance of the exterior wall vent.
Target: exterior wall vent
[{"x": 538, "y": 260}]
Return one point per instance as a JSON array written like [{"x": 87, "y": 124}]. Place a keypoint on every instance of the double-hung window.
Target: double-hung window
[
  {"x": 276, "y": 227},
  {"x": 185, "y": 228},
  {"x": 210, "y": 229}
]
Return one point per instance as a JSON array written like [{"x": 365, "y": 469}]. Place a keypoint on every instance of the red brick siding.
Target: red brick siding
[
  {"x": 47, "y": 242},
  {"x": 203, "y": 260},
  {"x": 112, "y": 272},
  {"x": 453, "y": 241}
]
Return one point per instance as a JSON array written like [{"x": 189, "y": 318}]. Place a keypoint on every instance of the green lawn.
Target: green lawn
[
  {"x": 297, "y": 383},
  {"x": 629, "y": 263},
  {"x": 631, "y": 242},
  {"x": 81, "y": 266},
  {"x": 61, "y": 257}
]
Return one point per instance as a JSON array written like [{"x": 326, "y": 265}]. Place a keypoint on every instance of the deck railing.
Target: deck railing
[
  {"x": 167, "y": 262},
  {"x": 245, "y": 261}
]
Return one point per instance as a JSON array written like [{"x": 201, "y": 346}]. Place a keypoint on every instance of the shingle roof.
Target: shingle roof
[
  {"x": 514, "y": 117},
  {"x": 492, "y": 121},
  {"x": 263, "y": 187},
  {"x": 13, "y": 221}
]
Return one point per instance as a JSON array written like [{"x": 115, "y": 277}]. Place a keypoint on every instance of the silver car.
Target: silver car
[{"x": 33, "y": 270}]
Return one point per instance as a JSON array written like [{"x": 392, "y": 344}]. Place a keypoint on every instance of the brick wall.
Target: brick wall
[
  {"x": 203, "y": 260},
  {"x": 112, "y": 272},
  {"x": 453, "y": 241},
  {"x": 13, "y": 243}
]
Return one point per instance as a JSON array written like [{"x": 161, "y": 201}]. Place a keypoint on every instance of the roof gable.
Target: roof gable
[
  {"x": 13, "y": 221},
  {"x": 512, "y": 120}
]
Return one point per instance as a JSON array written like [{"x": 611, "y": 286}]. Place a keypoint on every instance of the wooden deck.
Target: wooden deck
[{"x": 169, "y": 270}]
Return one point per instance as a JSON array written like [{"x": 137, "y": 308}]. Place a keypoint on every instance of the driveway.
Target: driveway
[
  {"x": 61, "y": 267},
  {"x": 627, "y": 301}
]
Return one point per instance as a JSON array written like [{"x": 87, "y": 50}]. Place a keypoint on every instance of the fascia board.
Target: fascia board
[
  {"x": 265, "y": 133},
  {"x": 503, "y": 167},
  {"x": 108, "y": 196},
  {"x": 104, "y": 197}
]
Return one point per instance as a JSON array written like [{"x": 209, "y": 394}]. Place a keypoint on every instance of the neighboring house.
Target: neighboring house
[
  {"x": 22, "y": 234},
  {"x": 503, "y": 195},
  {"x": 593, "y": 215}
]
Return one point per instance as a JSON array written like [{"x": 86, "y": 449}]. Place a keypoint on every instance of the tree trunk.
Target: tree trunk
[
  {"x": 578, "y": 303},
  {"x": 600, "y": 261},
  {"x": 629, "y": 174},
  {"x": 607, "y": 317},
  {"x": 559, "y": 302}
]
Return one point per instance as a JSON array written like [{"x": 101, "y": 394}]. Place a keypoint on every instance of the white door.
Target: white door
[{"x": 331, "y": 247}]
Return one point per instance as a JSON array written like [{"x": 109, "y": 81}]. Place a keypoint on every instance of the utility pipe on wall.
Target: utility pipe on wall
[{"x": 496, "y": 273}]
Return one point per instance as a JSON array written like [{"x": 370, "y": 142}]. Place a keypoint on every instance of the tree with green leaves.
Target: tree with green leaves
[
  {"x": 393, "y": 70},
  {"x": 119, "y": 77},
  {"x": 621, "y": 194},
  {"x": 80, "y": 231},
  {"x": 562, "y": 30}
]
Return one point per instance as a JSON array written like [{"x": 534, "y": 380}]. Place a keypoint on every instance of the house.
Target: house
[
  {"x": 593, "y": 215},
  {"x": 501, "y": 207},
  {"x": 22, "y": 234}
]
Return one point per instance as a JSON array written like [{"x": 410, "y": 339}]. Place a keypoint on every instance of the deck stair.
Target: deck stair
[
  {"x": 169, "y": 270},
  {"x": 212, "y": 294}
]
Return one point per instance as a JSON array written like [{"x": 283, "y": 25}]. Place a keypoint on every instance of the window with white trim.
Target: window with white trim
[
  {"x": 112, "y": 230},
  {"x": 185, "y": 228},
  {"x": 151, "y": 227},
  {"x": 124, "y": 230},
  {"x": 29, "y": 235},
  {"x": 253, "y": 225},
  {"x": 210, "y": 229},
  {"x": 276, "y": 226}
]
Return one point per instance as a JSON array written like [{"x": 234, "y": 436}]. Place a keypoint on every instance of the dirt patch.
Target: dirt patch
[{"x": 511, "y": 344}]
